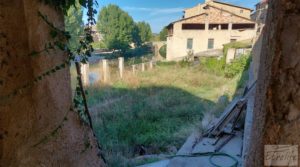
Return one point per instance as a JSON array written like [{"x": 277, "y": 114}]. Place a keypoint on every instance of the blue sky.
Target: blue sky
[{"x": 159, "y": 13}]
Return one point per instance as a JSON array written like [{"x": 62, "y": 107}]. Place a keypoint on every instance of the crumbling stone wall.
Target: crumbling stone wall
[
  {"x": 28, "y": 120},
  {"x": 277, "y": 105}
]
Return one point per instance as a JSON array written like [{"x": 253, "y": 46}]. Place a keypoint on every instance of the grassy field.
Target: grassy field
[{"x": 155, "y": 111}]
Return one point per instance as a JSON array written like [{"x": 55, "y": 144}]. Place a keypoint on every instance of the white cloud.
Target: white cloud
[{"x": 155, "y": 11}]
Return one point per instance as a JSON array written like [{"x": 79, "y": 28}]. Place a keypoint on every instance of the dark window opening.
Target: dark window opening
[
  {"x": 224, "y": 26},
  {"x": 218, "y": 26},
  {"x": 211, "y": 42},
  {"x": 193, "y": 26},
  {"x": 189, "y": 43},
  {"x": 213, "y": 26},
  {"x": 243, "y": 26}
]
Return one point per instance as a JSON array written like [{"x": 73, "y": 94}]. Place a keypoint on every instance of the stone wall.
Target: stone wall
[
  {"x": 28, "y": 120},
  {"x": 277, "y": 111}
]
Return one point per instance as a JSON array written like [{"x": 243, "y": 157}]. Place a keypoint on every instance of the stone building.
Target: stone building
[{"x": 207, "y": 27}]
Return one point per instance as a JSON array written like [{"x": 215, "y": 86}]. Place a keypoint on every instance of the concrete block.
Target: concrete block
[
  {"x": 105, "y": 71},
  {"x": 121, "y": 66},
  {"x": 84, "y": 68},
  {"x": 143, "y": 66}
]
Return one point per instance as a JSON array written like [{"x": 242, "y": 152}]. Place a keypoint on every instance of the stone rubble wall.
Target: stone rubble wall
[{"x": 277, "y": 104}]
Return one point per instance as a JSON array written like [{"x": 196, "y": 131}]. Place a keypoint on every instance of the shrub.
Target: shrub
[
  {"x": 237, "y": 66},
  {"x": 98, "y": 45},
  {"x": 163, "y": 51},
  {"x": 213, "y": 65},
  {"x": 219, "y": 67}
]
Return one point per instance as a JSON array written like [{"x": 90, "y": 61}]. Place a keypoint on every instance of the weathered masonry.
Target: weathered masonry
[{"x": 207, "y": 27}]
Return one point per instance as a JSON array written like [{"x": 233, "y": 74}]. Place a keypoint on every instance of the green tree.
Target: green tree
[
  {"x": 136, "y": 36},
  {"x": 74, "y": 25},
  {"x": 163, "y": 34},
  {"x": 145, "y": 32},
  {"x": 117, "y": 27}
]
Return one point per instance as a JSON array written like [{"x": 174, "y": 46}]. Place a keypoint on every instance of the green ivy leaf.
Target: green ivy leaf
[{"x": 53, "y": 33}]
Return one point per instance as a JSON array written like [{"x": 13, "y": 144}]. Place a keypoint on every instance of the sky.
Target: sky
[{"x": 159, "y": 13}]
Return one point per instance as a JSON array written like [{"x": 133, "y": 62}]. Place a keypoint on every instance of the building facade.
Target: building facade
[{"x": 207, "y": 27}]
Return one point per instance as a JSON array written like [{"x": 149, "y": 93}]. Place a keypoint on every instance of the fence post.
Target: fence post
[
  {"x": 151, "y": 64},
  {"x": 133, "y": 69},
  {"x": 85, "y": 73},
  {"x": 105, "y": 70},
  {"x": 143, "y": 66},
  {"x": 121, "y": 66}
]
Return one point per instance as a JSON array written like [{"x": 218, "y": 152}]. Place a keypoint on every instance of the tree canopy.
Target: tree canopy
[
  {"x": 119, "y": 29},
  {"x": 163, "y": 34},
  {"x": 136, "y": 35},
  {"x": 74, "y": 25},
  {"x": 145, "y": 32},
  {"x": 116, "y": 26}
]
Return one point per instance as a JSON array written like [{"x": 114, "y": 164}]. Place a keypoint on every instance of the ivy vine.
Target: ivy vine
[{"x": 83, "y": 52}]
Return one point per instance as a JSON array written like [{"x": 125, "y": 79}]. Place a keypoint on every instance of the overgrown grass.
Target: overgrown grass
[
  {"x": 213, "y": 65},
  {"x": 150, "y": 112}
]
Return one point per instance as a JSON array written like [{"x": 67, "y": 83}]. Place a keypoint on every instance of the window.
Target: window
[
  {"x": 232, "y": 40},
  {"x": 193, "y": 26},
  {"x": 243, "y": 26},
  {"x": 218, "y": 26},
  {"x": 210, "y": 43},
  {"x": 213, "y": 26},
  {"x": 224, "y": 26},
  {"x": 189, "y": 43}
]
